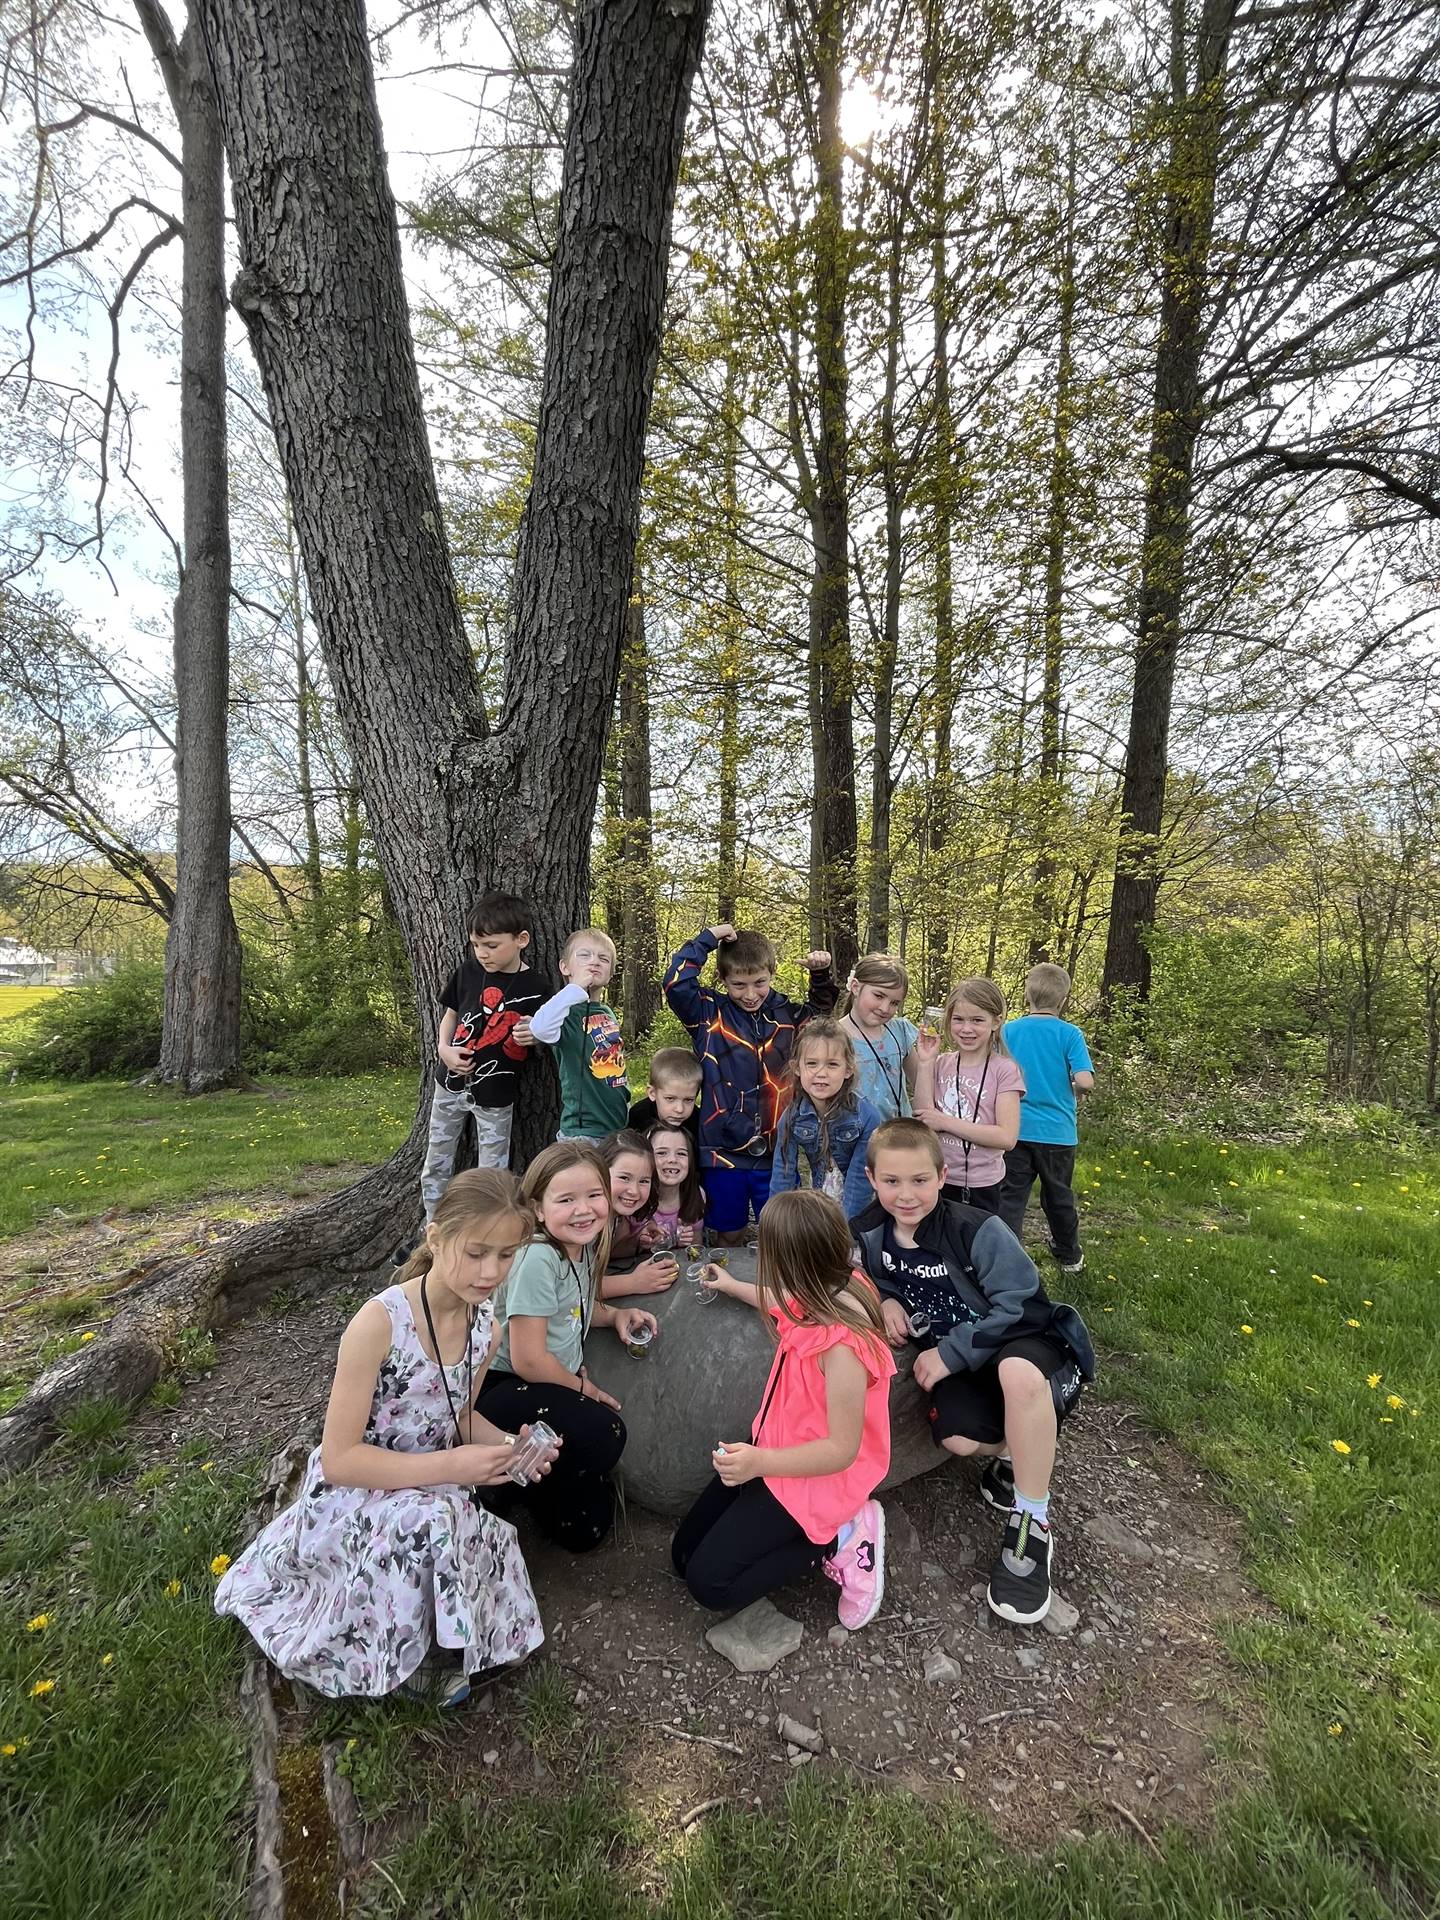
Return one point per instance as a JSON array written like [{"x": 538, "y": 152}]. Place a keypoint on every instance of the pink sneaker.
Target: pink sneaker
[{"x": 858, "y": 1568}]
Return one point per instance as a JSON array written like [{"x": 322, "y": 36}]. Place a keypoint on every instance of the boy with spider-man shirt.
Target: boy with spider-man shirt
[{"x": 484, "y": 1041}]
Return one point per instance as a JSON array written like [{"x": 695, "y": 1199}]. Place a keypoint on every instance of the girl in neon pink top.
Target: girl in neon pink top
[{"x": 798, "y": 1494}]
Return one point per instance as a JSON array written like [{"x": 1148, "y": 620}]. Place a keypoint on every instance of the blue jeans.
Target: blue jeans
[{"x": 730, "y": 1192}]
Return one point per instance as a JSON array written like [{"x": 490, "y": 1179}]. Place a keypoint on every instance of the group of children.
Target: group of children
[{"x": 919, "y": 1158}]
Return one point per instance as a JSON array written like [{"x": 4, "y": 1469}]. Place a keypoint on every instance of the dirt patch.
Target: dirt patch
[{"x": 1115, "y": 1724}]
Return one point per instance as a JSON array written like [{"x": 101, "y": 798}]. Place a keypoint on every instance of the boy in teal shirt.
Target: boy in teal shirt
[
  {"x": 581, "y": 1026},
  {"x": 1052, "y": 1055}
]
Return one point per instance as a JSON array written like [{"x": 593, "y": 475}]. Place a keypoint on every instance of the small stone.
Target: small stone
[
  {"x": 491, "y": 1757},
  {"x": 940, "y": 1669},
  {"x": 1085, "y": 1637},
  {"x": 977, "y": 1589},
  {"x": 757, "y": 1638},
  {"x": 1062, "y": 1619},
  {"x": 838, "y": 1635},
  {"x": 1112, "y": 1533},
  {"x": 1029, "y": 1658},
  {"x": 801, "y": 1759},
  {"x": 799, "y": 1735}
]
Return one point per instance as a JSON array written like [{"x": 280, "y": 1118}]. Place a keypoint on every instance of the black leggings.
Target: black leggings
[
  {"x": 738, "y": 1543},
  {"x": 573, "y": 1504}
]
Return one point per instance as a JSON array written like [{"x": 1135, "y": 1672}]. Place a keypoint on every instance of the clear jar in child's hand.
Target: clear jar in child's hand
[{"x": 531, "y": 1452}]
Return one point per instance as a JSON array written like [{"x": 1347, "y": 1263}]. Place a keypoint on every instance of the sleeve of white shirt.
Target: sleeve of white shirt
[{"x": 546, "y": 1021}]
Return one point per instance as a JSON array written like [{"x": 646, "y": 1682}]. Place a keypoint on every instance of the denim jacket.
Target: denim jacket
[{"x": 849, "y": 1139}]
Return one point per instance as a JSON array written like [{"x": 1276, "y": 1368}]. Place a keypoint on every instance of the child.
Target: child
[
  {"x": 632, "y": 1267},
  {"x": 798, "y": 1494},
  {"x": 384, "y": 1550},
  {"x": 581, "y": 1026},
  {"x": 1002, "y": 1364},
  {"x": 549, "y": 1306},
  {"x": 480, "y": 1050},
  {"x": 884, "y": 1040},
  {"x": 742, "y": 1034},
  {"x": 671, "y": 1095},
  {"x": 971, "y": 1097},
  {"x": 679, "y": 1216},
  {"x": 825, "y": 1118},
  {"x": 1052, "y": 1055}
]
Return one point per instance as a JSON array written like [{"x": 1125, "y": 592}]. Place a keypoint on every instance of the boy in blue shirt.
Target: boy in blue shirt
[{"x": 1052, "y": 1055}]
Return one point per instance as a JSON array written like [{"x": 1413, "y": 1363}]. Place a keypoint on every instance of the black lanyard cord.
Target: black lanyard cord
[
  {"x": 879, "y": 1059},
  {"x": 974, "y": 1113},
  {"x": 469, "y": 1359}
]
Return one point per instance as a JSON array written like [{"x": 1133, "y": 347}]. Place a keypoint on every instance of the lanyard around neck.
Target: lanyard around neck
[
  {"x": 880, "y": 1062},
  {"x": 974, "y": 1111},
  {"x": 469, "y": 1358}
]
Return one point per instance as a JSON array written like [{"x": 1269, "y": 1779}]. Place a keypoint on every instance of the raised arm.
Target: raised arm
[{"x": 693, "y": 1004}]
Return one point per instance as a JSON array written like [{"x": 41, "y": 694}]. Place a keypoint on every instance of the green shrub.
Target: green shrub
[{"x": 109, "y": 1027}]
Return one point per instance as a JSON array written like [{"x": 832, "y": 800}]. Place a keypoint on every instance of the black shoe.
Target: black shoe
[
  {"x": 997, "y": 1485},
  {"x": 1019, "y": 1588},
  {"x": 1068, "y": 1262}
]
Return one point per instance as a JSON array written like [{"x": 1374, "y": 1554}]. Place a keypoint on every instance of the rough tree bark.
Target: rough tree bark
[
  {"x": 887, "y": 648},
  {"x": 637, "y": 891},
  {"x": 200, "y": 1043},
  {"x": 457, "y": 800},
  {"x": 727, "y": 862},
  {"x": 942, "y": 795},
  {"x": 1197, "y": 104}
]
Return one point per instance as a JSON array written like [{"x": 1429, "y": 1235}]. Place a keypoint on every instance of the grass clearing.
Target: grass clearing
[
  {"x": 17, "y": 1000},
  {"x": 80, "y": 1149},
  {"x": 1260, "y": 1304}
]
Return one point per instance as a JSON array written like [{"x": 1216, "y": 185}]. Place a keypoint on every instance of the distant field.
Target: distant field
[{"x": 15, "y": 1000}]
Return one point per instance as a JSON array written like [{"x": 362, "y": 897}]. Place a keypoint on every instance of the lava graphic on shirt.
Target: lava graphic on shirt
[{"x": 607, "y": 1050}]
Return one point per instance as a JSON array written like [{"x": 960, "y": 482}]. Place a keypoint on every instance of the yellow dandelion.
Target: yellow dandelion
[
  {"x": 1339, "y": 1446},
  {"x": 9, "y": 1749},
  {"x": 1319, "y": 1279},
  {"x": 1247, "y": 1329},
  {"x": 1352, "y": 1323},
  {"x": 1367, "y": 1303},
  {"x": 1387, "y": 1419},
  {"x": 1394, "y": 1402},
  {"x": 172, "y": 1587},
  {"x": 219, "y": 1564},
  {"x": 41, "y": 1688},
  {"x": 208, "y": 1467},
  {"x": 38, "y": 1624},
  {"x": 1404, "y": 1189},
  {"x": 107, "y": 1659},
  {"x": 1232, "y": 1183},
  {"x": 1335, "y": 1729},
  {"x": 1414, "y": 1413},
  {"x": 86, "y": 1336},
  {"x": 1372, "y": 1380},
  {"x": 1143, "y": 1241}
]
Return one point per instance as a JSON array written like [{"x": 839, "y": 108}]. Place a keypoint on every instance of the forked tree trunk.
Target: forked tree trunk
[
  {"x": 455, "y": 804},
  {"x": 200, "y": 1042}
]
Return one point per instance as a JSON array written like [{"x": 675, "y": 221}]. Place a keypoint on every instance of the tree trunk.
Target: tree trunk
[
  {"x": 942, "y": 795},
  {"x": 1057, "y": 526},
  {"x": 887, "y": 651},
  {"x": 613, "y": 832},
  {"x": 304, "y": 712},
  {"x": 454, "y": 805},
  {"x": 837, "y": 914},
  {"x": 200, "y": 1044},
  {"x": 1177, "y": 412},
  {"x": 642, "y": 971},
  {"x": 727, "y": 864}
]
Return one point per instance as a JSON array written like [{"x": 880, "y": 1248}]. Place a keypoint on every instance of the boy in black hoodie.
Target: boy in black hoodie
[{"x": 1001, "y": 1362}]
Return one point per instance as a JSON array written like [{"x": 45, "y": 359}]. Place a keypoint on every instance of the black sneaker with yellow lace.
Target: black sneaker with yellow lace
[{"x": 1019, "y": 1588}]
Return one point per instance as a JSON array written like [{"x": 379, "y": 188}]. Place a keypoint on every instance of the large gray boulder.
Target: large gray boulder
[{"x": 702, "y": 1381}]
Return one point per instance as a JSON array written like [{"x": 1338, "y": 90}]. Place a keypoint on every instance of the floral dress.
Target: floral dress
[{"x": 346, "y": 1588}]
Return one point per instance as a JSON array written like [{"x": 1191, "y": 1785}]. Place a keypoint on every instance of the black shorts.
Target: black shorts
[{"x": 971, "y": 1406}]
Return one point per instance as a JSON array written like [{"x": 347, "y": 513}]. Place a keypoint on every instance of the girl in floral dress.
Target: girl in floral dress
[{"x": 385, "y": 1551}]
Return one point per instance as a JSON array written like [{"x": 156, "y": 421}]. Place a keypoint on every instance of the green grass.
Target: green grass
[
  {"x": 85, "y": 1148},
  {"x": 123, "y": 1774},
  {"x": 15, "y": 1000}
]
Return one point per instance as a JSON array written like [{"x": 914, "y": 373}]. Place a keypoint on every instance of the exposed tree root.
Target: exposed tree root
[{"x": 316, "y": 1246}]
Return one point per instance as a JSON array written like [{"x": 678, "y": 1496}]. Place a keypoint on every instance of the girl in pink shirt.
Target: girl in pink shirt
[
  {"x": 971, "y": 1097},
  {"x": 797, "y": 1494}
]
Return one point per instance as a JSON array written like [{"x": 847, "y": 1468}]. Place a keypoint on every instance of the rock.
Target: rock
[
  {"x": 702, "y": 1381},
  {"x": 491, "y": 1756},
  {"x": 797, "y": 1734},
  {"x": 756, "y": 1639},
  {"x": 838, "y": 1635},
  {"x": 1107, "y": 1531},
  {"x": 1086, "y": 1637},
  {"x": 940, "y": 1669},
  {"x": 1062, "y": 1619},
  {"x": 1029, "y": 1658}
]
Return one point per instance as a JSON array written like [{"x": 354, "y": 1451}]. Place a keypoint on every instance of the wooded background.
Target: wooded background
[{"x": 1035, "y": 552}]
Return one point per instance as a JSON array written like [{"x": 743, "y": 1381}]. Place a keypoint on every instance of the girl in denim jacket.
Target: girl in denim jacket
[{"x": 825, "y": 1118}]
